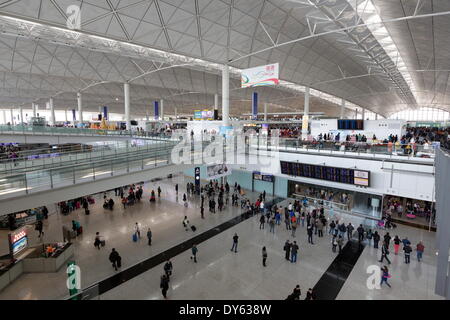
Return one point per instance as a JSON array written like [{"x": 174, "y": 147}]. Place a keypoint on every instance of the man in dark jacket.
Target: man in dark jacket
[
  {"x": 115, "y": 259},
  {"x": 350, "y": 229},
  {"x": 360, "y": 233},
  {"x": 164, "y": 285},
  {"x": 294, "y": 250},
  {"x": 387, "y": 239},
  {"x": 262, "y": 220},
  {"x": 235, "y": 243},
  {"x": 287, "y": 249},
  {"x": 385, "y": 253},
  {"x": 168, "y": 267},
  {"x": 310, "y": 233}
]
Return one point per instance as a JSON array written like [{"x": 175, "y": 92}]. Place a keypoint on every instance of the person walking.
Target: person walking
[
  {"x": 287, "y": 250},
  {"x": 296, "y": 293},
  {"x": 164, "y": 285},
  {"x": 420, "y": 248},
  {"x": 376, "y": 239},
  {"x": 149, "y": 236},
  {"x": 115, "y": 259},
  {"x": 39, "y": 227},
  {"x": 194, "y": 253},
  {"x": 309, "y": 229},
  {"x": 396, "y": 244},
  {"x": 310, "y": 295},
  {"x": 235, "y": 243},
  {"x": 385, "y": 253},
  {"x": 264, "y": 256},
  {"x": 168, "y": 267},
  {"x": 97, "y": 241},
  {"x": 294, "y": 226},
  {"x": 407, "y": 249},
  {"x": 387, "y": 239},
  {"x": 350, "y": 229},
  {"x": 360, "y": 233},
  {"x": 137, "y": 230},
  {"x": 176, "y": 189},
  {"x": 369, "y": 236},
  {"x": 333, "y": 244},
  {"x": 159, "y": 192},
  {"x": 332, "y": 227},
  {"x": 272, "y": 225},
  {"x": 340, "y": 243},
  {"x": 262, "y": 220},
  {"x": 294, "y": 250},
  {"x": 385, "y": 276}
]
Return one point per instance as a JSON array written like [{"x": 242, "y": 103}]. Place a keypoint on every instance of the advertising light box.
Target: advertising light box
[{"x": 260, "y": 76}]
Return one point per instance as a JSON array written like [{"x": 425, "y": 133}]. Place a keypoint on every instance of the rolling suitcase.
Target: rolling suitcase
[
  {"x": 87, "y": 212},
  {"x": 135, "y": 237}
]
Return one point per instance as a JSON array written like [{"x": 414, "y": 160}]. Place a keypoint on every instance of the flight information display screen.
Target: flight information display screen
[{"x": 341, "y": 175}]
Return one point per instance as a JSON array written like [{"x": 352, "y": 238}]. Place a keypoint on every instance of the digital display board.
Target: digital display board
[
  {"x": 18, "y": 240},
  {"x": 341, "y": 175},
  {"x": 263, "y": 177}
]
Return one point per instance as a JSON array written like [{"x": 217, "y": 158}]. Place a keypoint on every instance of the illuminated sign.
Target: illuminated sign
[{"x": 18, "y": 241}]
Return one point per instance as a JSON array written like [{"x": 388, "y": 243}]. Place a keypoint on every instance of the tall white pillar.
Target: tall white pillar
[
  {"x": 356, "y": 113},
  {"x": 52, "y": 112},
  {"x": 126, "y": 87},
  {"x": 21, "y": 115},
  {"x": 226, "y": 96},
  {"x": 161, "y": 111},
  {"x": 80, "y": 107},
  {"x": 66, "y": 116},
  {"x": 265, "y": 111},
  {"x": 33, "y": 107},
  {"x": 305, "y": 122},
  {"x": 376, "y": 116},
  {"x": 4, "y": 117},
  {"x": 342, "y": 109},
  {"x": 11, "y": 112},
  {"x": 363, "y": 113},
  {"x": 176, "y": 113}
]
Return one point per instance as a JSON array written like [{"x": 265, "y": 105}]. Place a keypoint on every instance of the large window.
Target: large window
[{"x": 422, "y": 114}]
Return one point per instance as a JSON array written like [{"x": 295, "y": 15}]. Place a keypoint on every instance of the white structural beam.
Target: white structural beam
[
  {"x": 80, "y": 107},
  {"x": 126, "y": 87},
  {"x": 305, "y": 123},
  {"x": 52, "y": 112},
  {"x": 342, "y": 108},
  {"x": 226, "y": 96},
  {"x": 265, "y": 111}
]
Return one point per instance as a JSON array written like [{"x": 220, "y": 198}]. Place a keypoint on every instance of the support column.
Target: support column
[
  {"x": 376, "y": 116},
  {"x": 216, "y": 106},
  {"x": 342, "y": 109},
  {"x": 305, "y": 122},
  {"x": 52, "y": 112},
  {"x": 11, "y": 111},
  {"x": 162, "y": 110},
  {"x": 363, "y": 113},
  {"x": 356, "y": 113},
  {"x": 176, "y": 113},
  {"x": 226, "y": 96},
  {"x": 80, "y": 107},
  {"x": 126, "y": 87},
  {"x": 4, "y": 117},
  {"x": 66, "y": 116},
  {"x": 265, "y": 111},
  {"x": 21, "y": 115},
  {"x": 33, "y": 107}
]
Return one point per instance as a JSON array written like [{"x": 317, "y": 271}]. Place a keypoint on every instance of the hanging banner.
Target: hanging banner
[
  {"x": 156, "y": 107},
  {"x": 105, "y": 112},
  {"x": 255, "y": 106},
  {"x": 261, "y": 76}
]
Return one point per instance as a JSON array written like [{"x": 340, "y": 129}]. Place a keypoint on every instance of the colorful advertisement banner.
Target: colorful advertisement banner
[
  {"x": 218, "y": 171},
  {"x": 261, "y": 76}
]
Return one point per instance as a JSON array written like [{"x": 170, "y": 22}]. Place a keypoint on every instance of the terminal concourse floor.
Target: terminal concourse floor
[
  {"x": 219, "y": 273},
  {"x": 164, "y": 217},
  {"x": 225, "y": 275}
]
